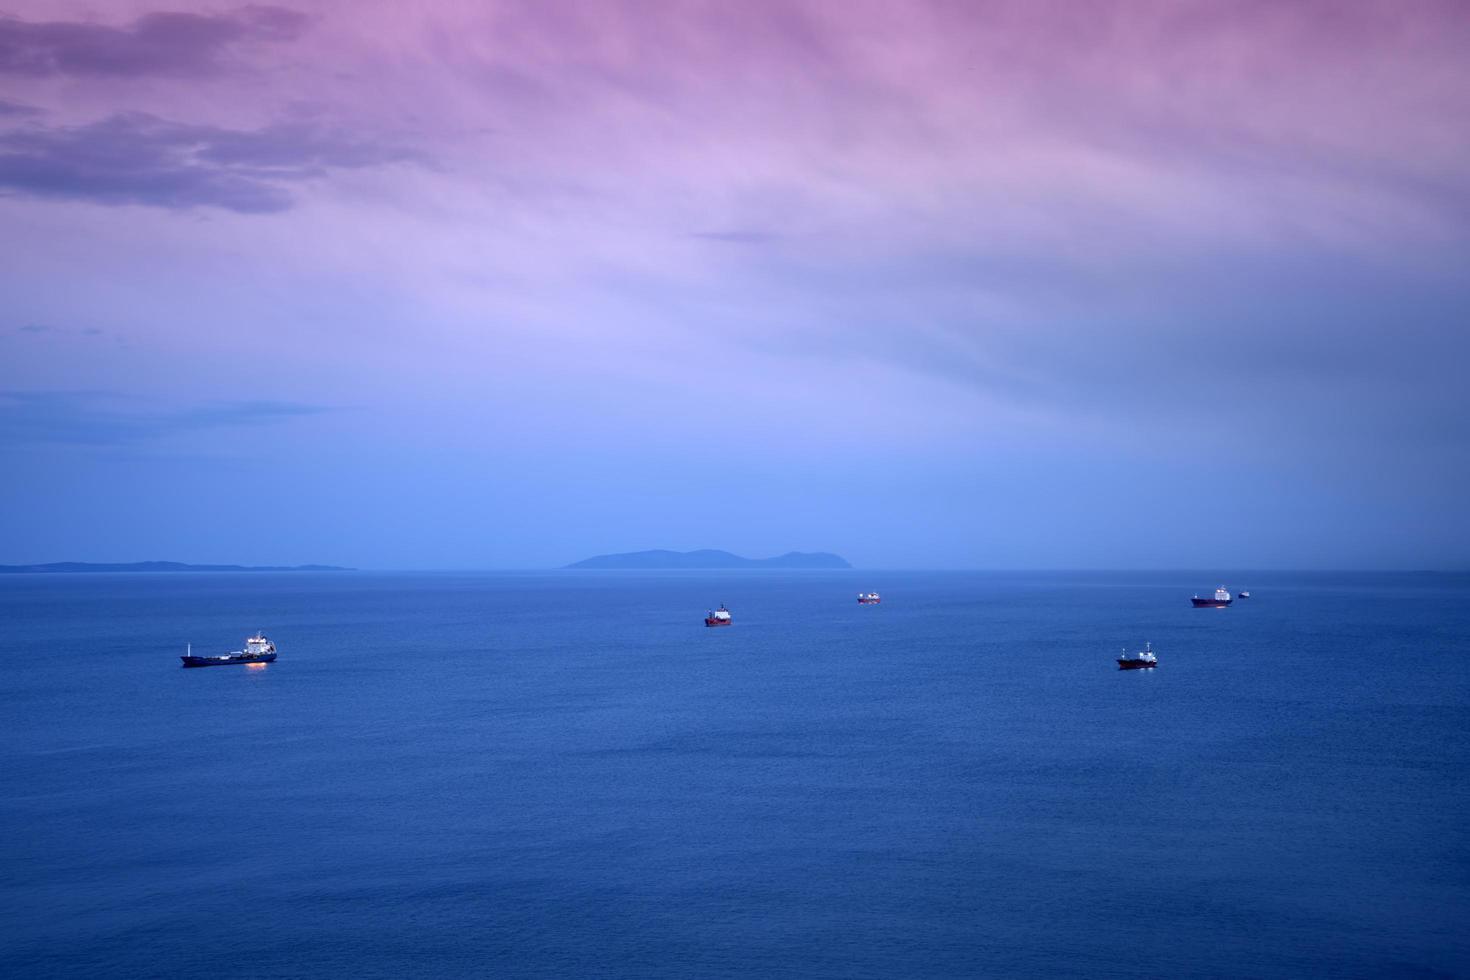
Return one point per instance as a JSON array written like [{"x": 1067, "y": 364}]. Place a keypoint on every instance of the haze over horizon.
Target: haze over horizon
[{"x": 993, "y": 285}]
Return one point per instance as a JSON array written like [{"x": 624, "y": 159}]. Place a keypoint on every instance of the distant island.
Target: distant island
[
  {"x": 164, "y": 566},
  {"x": 709, "y": 558}
]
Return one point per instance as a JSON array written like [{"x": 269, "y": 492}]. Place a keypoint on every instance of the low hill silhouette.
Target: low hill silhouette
[{"x": 64, "y": 567}]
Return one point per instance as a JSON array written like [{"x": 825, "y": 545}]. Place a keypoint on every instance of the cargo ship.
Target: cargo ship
[
  {"x": 1220, "y": 601},
  {"x": 720, "y": 617},
  {"x": 258, "y": 650},
  {"x": 1143, "y": 659},
  {"x": 869, "y": 598}
]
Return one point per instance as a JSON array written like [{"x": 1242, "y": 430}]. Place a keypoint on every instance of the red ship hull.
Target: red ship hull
[
  {"x": 1210, "y": 603},
  {"x": 716, "y": 622},
  {"x": 869, "y": 602}
]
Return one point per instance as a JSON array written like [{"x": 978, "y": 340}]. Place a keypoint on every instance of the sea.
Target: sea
[{"x": 565, "y": 774}]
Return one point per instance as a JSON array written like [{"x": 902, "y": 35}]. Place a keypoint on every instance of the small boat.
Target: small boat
[
  {"x": 1242, "y": 595},
  {"x": 1143, "y": 659},
  {"x": 258, "y": 650},
  {"x": 869, "y": 598},
  {"x": 720, "y": 617},
  {"x": 1220, "y": 601}
]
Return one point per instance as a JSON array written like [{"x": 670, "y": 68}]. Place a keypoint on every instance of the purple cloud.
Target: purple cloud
[
  {"x": 164, "y": 43},
  {"x": 15, "y": 109},
  {"x": 135, "y": 158}
]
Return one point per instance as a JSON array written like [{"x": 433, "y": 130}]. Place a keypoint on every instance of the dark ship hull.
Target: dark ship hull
[
  {"x": 716, "y": 622},
  {"x": 1210, "y": 603},
  {"x": 1136, "y": 664},
  {"x": 244, "y": 658}
]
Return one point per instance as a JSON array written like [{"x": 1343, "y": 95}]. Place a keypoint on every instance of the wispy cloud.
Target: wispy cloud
[
  {"x": 136, "y": 158},
  {"x": 15, "y": 109},
  {"x": 95, "y": 418},
  {"x": 163, "y": 43},
  {"x": 738, "y": 237}
]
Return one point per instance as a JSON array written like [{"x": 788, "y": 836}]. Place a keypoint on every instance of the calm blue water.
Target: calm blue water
[{"x": 565, "y": 774}]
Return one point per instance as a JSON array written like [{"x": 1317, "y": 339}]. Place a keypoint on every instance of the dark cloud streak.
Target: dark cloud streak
[
  {"x": 135, "y": 158},
  {"x": 91, "y": 418},
  {"x": 15, "y": 110},
  {"x": 163, "y": 43},
  {"x": 738, "y": 237}
]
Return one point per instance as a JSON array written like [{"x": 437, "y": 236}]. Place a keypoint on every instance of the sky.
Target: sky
[{"x": 948, "y": 285}]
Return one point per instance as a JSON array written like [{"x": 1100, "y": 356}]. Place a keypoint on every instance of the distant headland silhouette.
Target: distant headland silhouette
[
  {"x": 163, "y": 566},
  {"x": 710, "y": 558}
]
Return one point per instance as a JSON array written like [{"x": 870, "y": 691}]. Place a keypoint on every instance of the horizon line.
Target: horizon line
[{"x": 326, "y": 566}]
